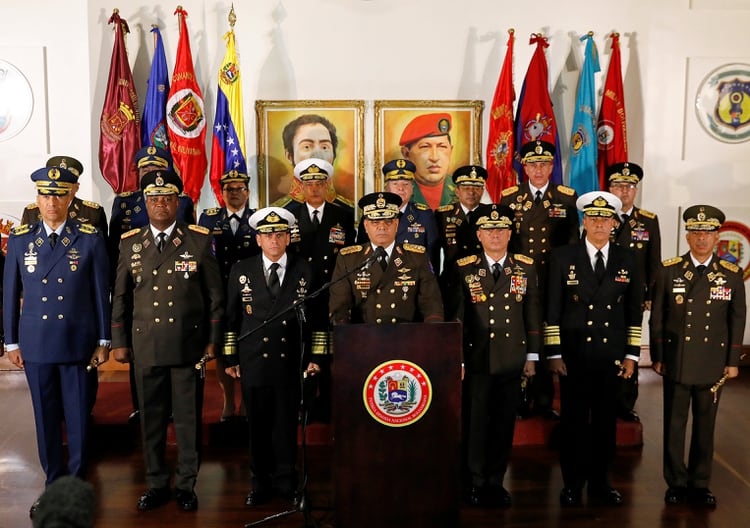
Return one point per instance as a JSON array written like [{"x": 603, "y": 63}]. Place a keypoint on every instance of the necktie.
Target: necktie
[
  {"x": 160, "y": 241},
  {"x": 700, "y": 268},
  {"x": 274, "y": 285},
  {"x": 599, "y": 269},
  {"x": 625, "y": 218},
  {"x": 315, "y": 219},
  {"x": 234, "y": 222},
  {"x": 53, "y": 240},
  {"x": 382, "y": 258},
  {"x": 496, "y": 270},
  {"x": 538, "y": 197}
]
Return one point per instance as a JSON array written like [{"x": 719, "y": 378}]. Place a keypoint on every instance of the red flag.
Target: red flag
[
  {"x": 500, "y": 173},
  {"x": 535, "y": 119},
  {"x": 120, "y": 125},
  {"x": 186, "y": 117},
  {"x": 611, "y": 129}
]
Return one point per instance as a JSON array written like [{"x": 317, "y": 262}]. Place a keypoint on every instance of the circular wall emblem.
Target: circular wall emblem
[
  {"x": 16, "y": 101},
  {"x": 397, "y": 393},
  {"x": 722, "y": 103},
  {"x": 734, "y": 245}
]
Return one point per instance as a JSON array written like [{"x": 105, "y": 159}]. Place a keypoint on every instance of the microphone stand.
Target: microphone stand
[{"x": 301, "y": 503}]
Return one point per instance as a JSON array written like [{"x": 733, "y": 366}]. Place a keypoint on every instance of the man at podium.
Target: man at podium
[{"x": 382, "y": 282}]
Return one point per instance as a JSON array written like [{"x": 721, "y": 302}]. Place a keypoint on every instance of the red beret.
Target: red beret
[{"x": 425, "y": 125}]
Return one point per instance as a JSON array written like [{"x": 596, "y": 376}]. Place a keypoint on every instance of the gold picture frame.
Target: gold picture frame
[
  {"x": 345, "y": 150},
  {"x": 464, "y": 130}
]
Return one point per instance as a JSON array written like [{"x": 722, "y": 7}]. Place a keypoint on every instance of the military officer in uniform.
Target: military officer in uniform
[
  {"x": 416, "y": 225},
  {"x": 60, "y": 269},
  {"x": 545, "y": 217},
  {"x": 386, "y": 282},
  {"x": 638, "y": 230},
  {"x": 593, "y": 335},
  {"x": 82, "y": 211},
  {"x": 233, "y": 240},
  {"x": 265, "y": 354},
  {"x": 129, "y": 212},
  {"x": 697, "y": 325},
  {"x": 167, "y": 309},
  {"x": 321, "y": 230},
  {"x": 456, "y": 230},
  {"x": 496, "y": 296}
]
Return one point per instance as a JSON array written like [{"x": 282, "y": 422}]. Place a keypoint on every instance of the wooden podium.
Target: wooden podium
[{"x": 397, "y": 425}]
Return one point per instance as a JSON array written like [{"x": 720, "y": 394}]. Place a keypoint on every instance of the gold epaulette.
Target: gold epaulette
[
  {"x": 672, "y": 261},
  {"x": 199, "y": 229},
  {"x": 351, "y": 249},
  {"x": 421, "y": 206},
  {"x": 444, "y": 208},
  {"x": 647, "y": 214},
  {"x": 211, "y": 212},
  {"x": 130, "y": 233},
  {"x": 523, "y": 258},
  {"x": 21, "y": 230},
  {"x": 93, "y": 205},
  {"x": 414, "y": 248},
  {"x": 344, "y": 200},
  {"x": 465, "y": 261},
  {"x": 731, "y": 266},
  {"x": 566, "y": 190},
  {"x": 510, "y": 190},
  {"x": 125, "y": 194},
  {"x": 88, "y": 229},
  {"x": 32, "y": 206}
]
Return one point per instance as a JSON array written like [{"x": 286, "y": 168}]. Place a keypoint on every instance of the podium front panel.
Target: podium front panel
[{"x": 397, "y": 425}]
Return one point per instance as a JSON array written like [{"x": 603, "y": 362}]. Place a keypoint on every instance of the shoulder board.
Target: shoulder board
[
  {"x": 344, "y": 201},
  {"x": 130, "y": 233},
  {"x": 88, "y": 229},
  {"x": 199, "y": 229},
  {"x": 647, "y": 214},
  {"x": 32, "y": 206},
  {"x": 465, "y": 261},
  {"x": 731, "y": 266},
  {"x": 351, "y": 249},
  {"x": 444, "y": 208},
  {"x": 414, "y": 248},
  {"x": 93, "y": 205},
  {"x": 125, "y": 194},
  {"x": 422, "y": 207},
  {"x": 672, "y": 261},
  {"x": 510, "y": 190},
  {"x": 523, "y": 258},
  {"x": 211, "y": 212},
  {"x": 21, "y": 230},
  {"x": 566, "y": 190}
]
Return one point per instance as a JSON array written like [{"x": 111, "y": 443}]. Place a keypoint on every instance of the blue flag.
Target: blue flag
[
  {"x": 584, "y": 175},
  {"x": 154, "y": 122}
]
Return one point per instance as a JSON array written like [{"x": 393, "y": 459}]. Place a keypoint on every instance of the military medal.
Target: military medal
[
  {"x": 336, "y": 235},
  {"x": 186, "y": 266},
  {"x": 572, "y": 281},
  {"x": 30, "y": 258},
  {"x": 73, "y": 257},
  {"x": 679, "y": 299}
]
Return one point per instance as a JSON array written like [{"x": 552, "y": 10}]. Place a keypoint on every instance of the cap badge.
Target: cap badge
[
  {"x": 380, "y": 202},
  {"x": 538, "y": 149},
  {"x": 159, "y": 181},
  {"x": 494, "y": 215},
  {"x": 473, "y": 172},
  {"x": 273, "y": 218},
  {"x": 400, "y": 164},
  {"x": 626, "y": 171},
  {"x": 600, "y": 202},
  {"x": 64, "y": 163},
  {"x": 151, "y": 151},
  {"x": 53, "y": 174},
  {"x": 233, "y": 173},
  {"x": 313, "y": 169},
  {"x": 701, "y": 216},
  {"x": 444, "y": 126}
]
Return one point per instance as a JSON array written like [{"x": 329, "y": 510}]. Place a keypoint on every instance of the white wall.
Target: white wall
[{"x": 398, "y": 49}]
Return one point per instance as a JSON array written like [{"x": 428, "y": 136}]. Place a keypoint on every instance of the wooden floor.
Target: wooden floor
[{"x": 533, "y": 479}]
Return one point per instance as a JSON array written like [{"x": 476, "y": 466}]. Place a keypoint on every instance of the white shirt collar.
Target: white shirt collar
[{"x": 167, "y": 231}]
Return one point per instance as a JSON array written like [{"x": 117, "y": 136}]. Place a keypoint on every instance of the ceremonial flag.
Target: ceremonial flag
[
  {"x": 584, "y": 175},
  {"x": 535, "y": 119},
  {"x": 120, "y": 136},
  {"x": 227, "y": 148},
  {"x": 500, "y": 173},
  {"x": 186, "y": 117},
  {"x": 154, "y": 121},
  {"x": 611, "y": 129}
]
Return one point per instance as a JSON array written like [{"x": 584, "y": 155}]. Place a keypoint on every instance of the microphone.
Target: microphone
[{"x": 377, "y": 254}]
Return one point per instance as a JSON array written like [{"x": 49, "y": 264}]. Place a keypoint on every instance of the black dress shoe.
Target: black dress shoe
[
  {"x": 475, "y": 496},
  {"x": 257, "y": 497},
  {"x": 135, "y": 417},
  {"x": 153, "y": 498},
  {"x": 675, "y": 495},
  {"x": 33, "y": 509},
  {"x": 570, "y": 497},
  {"x": 187, "y": 500},
  {"x": 702, "y": 497},
  {"x": 628, "y": 415},
  {"x": 606, "y": 494}
]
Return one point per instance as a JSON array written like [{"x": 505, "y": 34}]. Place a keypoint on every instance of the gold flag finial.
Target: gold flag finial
[{"x": 232, "y": 17}]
